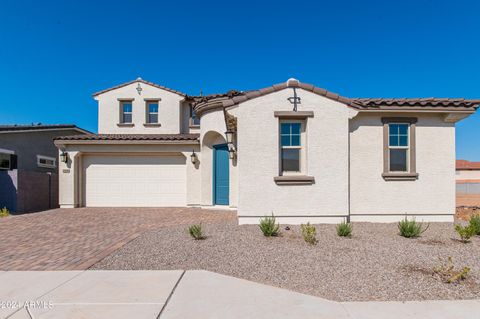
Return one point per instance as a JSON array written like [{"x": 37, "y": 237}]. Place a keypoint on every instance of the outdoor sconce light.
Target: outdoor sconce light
[
  {"x": 64, "y": 157},
  {"x": 231, "y": 148},
  {"x": 229, "y": 135},
  {"x": 193, "y": 157},
  {"x": 231, "y": 153}
]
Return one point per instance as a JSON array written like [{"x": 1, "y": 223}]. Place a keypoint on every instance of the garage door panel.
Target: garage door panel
[{"x": 135, "y": 181}]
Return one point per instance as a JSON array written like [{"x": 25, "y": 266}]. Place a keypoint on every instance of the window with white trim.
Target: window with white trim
[
  {"x": 398, "y": 147},
  {"x": 152, "y": 112},
  {"x": 291, "y": 146},
  {"x": 46, "y": 161},
  {"x": 194, "y": 119},
  {"x": 126, "y": 112},
  {"x": 4, "y": 161}
]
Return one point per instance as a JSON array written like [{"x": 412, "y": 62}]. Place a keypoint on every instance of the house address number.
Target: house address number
[{"x": 66, "y": 171}]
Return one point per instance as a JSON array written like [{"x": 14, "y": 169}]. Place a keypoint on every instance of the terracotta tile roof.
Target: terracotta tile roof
[
  {"x": 233, "y": 97},
  {"x": 421, "y": 102},
  {"x": 140, "y": 80},
  {"x": 37, "y": 126},
  {"x": 130, "y": 137},
  {"x": 467, "y": 165}
]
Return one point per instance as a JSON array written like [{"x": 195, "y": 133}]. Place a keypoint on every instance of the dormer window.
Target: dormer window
[
  {"x": 126, "y": 112},
  {"x": 152, "y": 112},
  {"x": 194, "y": 120}
]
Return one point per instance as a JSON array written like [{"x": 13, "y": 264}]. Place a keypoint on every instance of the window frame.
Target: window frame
[
  {"x": 48, "y": 158},
  {"x": 9, "y": 161},
  {"x": 410, "y": 173},
  {"x": 301, "y": 148},
  {"x": 122, "y": 112},
  {"x": 399, "y": 147},
  {"x": 12, "y": 159},
  {"x": 190, "y": 119},
  {"x": 148, "y": 113}
]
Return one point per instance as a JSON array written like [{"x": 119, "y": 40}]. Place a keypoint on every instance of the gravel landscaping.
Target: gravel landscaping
[{"x": 375, "y": 264}]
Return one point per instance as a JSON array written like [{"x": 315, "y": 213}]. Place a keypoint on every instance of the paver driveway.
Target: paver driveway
[{"x": 75, "y": 239}]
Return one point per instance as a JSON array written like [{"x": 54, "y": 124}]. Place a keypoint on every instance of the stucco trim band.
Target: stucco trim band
[
  {"x": 294, "y": 180},
  {"x": 293, "y": 114}
]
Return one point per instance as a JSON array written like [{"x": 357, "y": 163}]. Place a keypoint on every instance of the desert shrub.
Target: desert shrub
[
  {"x": 4, "y": 212},
  {"x": 448, "y": 273},
  {"x": 344, "y": 229},
  {"x": 309, "y": 233},
  {"x": 269, "y": 226},
  {"x": 196, "y": 232},
  {"x": 411, "y": 228},
  {"x": 475, "y": 224},
  {"x": 465, "y": 232}
]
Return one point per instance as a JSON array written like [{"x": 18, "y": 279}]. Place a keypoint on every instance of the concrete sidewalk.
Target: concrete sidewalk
[{"x": 179, "y": 294}]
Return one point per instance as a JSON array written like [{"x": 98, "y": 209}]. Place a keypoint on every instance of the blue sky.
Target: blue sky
[{"x": 55, "y": 54}]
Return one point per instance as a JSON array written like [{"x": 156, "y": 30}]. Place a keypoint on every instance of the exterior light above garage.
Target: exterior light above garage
[
  {"x": 193, "y": 157},
  {"x": 64, "y": 157}
]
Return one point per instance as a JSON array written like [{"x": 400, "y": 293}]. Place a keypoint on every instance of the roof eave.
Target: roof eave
[
  {"x": 124, "y": 142},
  {"x": 97, "y": 94}
]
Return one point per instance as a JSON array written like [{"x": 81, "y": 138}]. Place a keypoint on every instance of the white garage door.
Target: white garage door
[{"x": 135, "y": 181}]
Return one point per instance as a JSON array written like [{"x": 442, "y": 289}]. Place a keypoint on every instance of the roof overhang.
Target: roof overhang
[
  {"x": 138, "y": 80},
  {"x": 440, "y": 105},
  {"x": 48, "y": 129}
]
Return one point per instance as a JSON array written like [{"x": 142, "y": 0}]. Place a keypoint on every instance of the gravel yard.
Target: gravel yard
[{"x": 375, "y": 264}]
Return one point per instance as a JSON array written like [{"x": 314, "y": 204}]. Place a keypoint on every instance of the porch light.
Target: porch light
[
  {"x": 229, "y": 135},
  {"x": 231, "y": 153},
  {"x": 193, "y": 157},
  {"x": 64, "y": 157}
]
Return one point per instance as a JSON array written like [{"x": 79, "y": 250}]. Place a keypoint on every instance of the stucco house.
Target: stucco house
[{"x": 293, "y": 149}]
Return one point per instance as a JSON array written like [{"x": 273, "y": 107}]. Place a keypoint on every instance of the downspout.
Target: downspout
[{"x": 348, "y": 196}]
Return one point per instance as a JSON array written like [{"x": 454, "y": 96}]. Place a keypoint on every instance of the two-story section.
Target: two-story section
[
  {"x": 141, "y": 155},
  {"x": 141, "y": 107}
]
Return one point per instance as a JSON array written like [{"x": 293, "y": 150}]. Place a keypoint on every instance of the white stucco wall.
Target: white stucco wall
[
  {"x": 169, "y": 111},
  {"x": 432, "y": 193},
  {"x": 326, "y": 160}
]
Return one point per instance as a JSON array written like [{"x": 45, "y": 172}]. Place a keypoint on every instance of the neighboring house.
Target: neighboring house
[
  {"x": 29, "y": 166},
  {"x": 292, "y": 149},
  {"x": 467, "y": 176}
]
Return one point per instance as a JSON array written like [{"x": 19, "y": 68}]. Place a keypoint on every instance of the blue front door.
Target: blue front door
[{"x": 220, "y": 175}]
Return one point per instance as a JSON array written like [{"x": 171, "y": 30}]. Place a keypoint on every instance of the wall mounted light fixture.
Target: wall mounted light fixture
[
  {"x": 193, "y": 157},
  {"x": 64, "y": 157},
  {"x": 231, "y": 148}
]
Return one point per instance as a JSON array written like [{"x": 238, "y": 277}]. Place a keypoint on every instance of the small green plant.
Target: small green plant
[
  {"x": 344, "y": 229},
  {"x": 268, "y": 226},
  {"x": 465, "y": 232},
  {"x": 475, "y": 223},
  {"x": 411, "y": 228},
  {"x": 309, "y": 233},
  {"x": 196, "y": 232},
  {"x": 449, "y": 274},
  {"x": 4, "y": 212}
]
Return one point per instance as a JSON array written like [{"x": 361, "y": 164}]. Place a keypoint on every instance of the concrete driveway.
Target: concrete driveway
[
  {"x": 75, "y": 239},
  {"x": 177, "y": 294}
]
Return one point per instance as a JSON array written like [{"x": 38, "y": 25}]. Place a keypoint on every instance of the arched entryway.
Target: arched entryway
[{"x": 215, "y": 170}]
